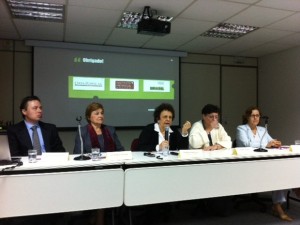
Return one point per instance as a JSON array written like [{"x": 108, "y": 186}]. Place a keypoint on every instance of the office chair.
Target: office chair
[{"x": 134, "y": 144}]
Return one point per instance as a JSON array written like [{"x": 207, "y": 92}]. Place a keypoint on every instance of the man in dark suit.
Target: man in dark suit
[{"x": 20, "y": 135}]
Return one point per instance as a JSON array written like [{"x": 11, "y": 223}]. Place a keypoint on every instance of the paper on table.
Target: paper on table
[
  {"x": 186, "y": 154},
  {"x": 120, "y": 155},
  {"x": 295, "y": 148},
  {"x": 55, "y": 156}
]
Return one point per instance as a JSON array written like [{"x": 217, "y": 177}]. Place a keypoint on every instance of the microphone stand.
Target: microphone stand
[
  {"x": 82, "y": 156},
  {"x": 261, "y": 149}
]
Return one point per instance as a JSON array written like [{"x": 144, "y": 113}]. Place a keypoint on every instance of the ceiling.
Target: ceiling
[{"x": 95, "y": 21}]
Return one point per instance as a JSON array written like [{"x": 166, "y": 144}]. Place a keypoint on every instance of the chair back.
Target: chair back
[
  {"x": 134, "y": 144},
  {"x": 234, "y": 143}
]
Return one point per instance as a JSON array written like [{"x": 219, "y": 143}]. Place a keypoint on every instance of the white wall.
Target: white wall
[
  {"x": 279, "y": 93},
  {"x": 220, "y": 80}
]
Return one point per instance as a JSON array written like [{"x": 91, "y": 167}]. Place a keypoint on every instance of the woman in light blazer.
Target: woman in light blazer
[{"x": 251, "y": 135}]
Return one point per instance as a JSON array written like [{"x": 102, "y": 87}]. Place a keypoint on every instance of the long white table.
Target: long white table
[
  {"x": 213, "y": 174},
  {"x": 52, "y": 187},
  {"x": 64, "y": 186}
]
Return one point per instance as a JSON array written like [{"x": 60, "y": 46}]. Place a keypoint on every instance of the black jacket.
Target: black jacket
[
  {"x": 20, "y": 141},
  {"x": 148, "y": 139}
]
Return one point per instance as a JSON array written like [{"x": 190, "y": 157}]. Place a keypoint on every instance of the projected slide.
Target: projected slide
[
  {"x": 120, "y": 88},
  {"x": 129, "y": 85}
]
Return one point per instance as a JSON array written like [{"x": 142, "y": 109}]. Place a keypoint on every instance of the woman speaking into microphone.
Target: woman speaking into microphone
[{"x": 161, "y": 134}]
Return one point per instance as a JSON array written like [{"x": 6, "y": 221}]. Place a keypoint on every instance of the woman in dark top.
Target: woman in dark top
[
  {"x": 95, "y": 134},
  {"x": 152, "y": 137}
]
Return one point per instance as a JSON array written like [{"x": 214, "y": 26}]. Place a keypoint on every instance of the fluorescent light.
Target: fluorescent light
[
  {"x": 36, "y": 10},
  {"x": 228, "y": 30},
  {"x": 130, "y": 20}
]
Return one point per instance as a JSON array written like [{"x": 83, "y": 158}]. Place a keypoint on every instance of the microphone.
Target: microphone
[
  {"x": 261, "y": 149},
  {"x": 266, "y": 118},
  {"x": 167, "y": 131},
  {"x": 82, "y": 156},
  {"x": 165, "y": 150}
]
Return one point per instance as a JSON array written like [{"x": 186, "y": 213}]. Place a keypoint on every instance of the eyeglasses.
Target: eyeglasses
[
  {"x": 167, "y": 117},
  {"x": 256, "y": 115},
  {"x": 213, "y": 117}
]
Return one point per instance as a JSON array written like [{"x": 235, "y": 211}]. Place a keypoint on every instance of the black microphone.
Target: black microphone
[
  {"x": 82, "y": 156},
  {"x": 261, "y": 149},
  {"x": 167, "y": 131},
  {"x": 266, "y": 118}
]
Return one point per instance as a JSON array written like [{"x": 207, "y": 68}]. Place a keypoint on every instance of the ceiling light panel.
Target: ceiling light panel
[
  {"x": 229, "y": 31},
  {"x": 36, "y": 10},
  {"x": 130, "y": 20}
]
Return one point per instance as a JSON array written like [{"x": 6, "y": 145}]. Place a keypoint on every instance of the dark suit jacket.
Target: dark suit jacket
[
  {"x": 87, "y": 145},
  {"x": 20, "y": 141},
  {"x": 149, "y": 139}
]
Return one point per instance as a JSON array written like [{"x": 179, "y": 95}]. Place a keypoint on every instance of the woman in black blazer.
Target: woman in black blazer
[{"x": 152, "y": 137}]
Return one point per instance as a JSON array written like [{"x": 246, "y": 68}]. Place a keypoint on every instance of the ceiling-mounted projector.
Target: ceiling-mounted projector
[
  {"x": 154, "y": 27},
  {"x": 151, "y": 26}
]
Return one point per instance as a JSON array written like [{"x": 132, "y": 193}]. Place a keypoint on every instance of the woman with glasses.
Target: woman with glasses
[
  {"x": 251, "y": 135},
  {"x": 208, "y": 134}
]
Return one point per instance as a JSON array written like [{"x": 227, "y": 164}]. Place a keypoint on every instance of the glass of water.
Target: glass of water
[
  {"x": 32, "y": 155},
  {"x": 297, "y": 142},
  {"x": 95, "y": 153},
  {"x": 165, "y": 151}
]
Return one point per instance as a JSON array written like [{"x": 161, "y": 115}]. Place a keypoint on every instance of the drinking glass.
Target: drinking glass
[
  {"x": 32, "y": 153},
  {"x": 297, "y": 142},
  {"x": 95, "y": 153}
]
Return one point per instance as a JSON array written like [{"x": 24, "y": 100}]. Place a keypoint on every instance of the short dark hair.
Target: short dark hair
[
  {"x": 209, "y": 108},
  {"x": 248, "y": 113},
  {"x": 163, "y": 107},
  {"x": 90, "y": 108},
  {"x": 24, "y": 102}
]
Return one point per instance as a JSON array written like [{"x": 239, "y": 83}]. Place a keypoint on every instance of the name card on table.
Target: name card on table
[
  {"x": 119, "y": 156},
  {"x": 55, "y": 156},
  {"x": 295, "y": 148},
  {"x": 187, "y": 154}
]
